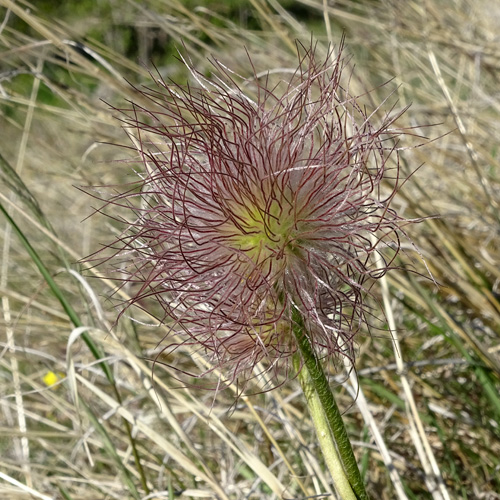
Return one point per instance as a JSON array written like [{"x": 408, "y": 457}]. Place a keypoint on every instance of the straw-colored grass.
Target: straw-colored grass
[{"x": 425, "y": 420}]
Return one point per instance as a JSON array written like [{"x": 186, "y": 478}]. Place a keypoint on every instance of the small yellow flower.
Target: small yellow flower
[{"x": 51, "y": 378}]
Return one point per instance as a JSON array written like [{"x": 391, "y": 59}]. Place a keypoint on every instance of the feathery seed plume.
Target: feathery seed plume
[{"x": 259, "y": 199}]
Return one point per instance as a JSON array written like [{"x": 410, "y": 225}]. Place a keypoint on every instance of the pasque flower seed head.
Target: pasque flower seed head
[{"x": 260, "y": 197}]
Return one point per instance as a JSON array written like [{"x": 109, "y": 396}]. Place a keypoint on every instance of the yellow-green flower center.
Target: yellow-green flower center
[{"x": 265, "y": 231}]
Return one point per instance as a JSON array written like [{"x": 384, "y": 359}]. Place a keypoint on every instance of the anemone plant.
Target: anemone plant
[{"x": 259, "y": 225}]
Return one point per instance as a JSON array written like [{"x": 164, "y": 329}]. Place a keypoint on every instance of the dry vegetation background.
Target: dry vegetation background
[{"x": 100, "y": 434}]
